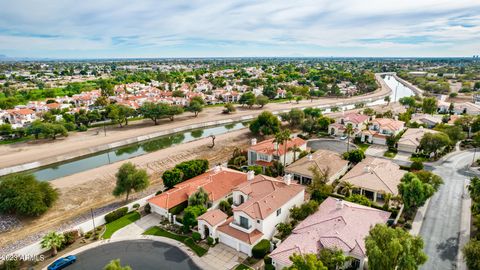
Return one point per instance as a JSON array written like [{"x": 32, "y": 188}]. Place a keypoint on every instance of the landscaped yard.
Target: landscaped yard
[
  {"x": 116, "y": 225},
  {"x": 362, "y": 146},
  {"x": 390, "y": 154},
  {"x": 188, "y": 241}
]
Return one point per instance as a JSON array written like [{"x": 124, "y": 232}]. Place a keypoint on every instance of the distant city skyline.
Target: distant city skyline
[{"x": 239, "y": 28}]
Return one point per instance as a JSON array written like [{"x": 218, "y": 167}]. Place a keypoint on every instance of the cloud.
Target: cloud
[{"x": 142, "y": 28}]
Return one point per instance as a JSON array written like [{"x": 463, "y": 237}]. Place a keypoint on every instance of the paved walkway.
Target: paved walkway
[
  {"x": 138, "y": 227},
  {"x": 222, "y": 257}
]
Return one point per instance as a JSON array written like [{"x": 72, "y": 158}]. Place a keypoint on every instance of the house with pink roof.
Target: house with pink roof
[
  {"x": 259, "y": 205},
  {"x": 358, "y": 122},
  {"x": 337, "y": 224},
  {"x": 380, "y": 129}
]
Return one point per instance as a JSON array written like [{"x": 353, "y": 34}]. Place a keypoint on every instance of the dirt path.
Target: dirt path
[
  {"x": 21, "y": 153},
  {"x": 92, "y": 189}
]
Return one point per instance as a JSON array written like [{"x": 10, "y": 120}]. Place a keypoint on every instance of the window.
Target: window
[
  {"x": 263, "y": 157},
  {"x": 244, "y": 222},
  {"x": 279, "y": 211}
]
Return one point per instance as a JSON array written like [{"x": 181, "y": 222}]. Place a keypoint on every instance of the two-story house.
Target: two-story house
[
  {"x": 217, "y": 182},
  {"x": 20, "y": 117},
  {"x": 358, "y": 122},
  {"x": 267, "y": 151},
  {"x": 260, "y": 205},
  {"x": 380, "y": 129}
]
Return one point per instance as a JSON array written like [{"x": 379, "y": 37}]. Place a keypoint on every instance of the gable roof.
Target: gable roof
[
  {"x": 265, "y": 195},
  {"x": 322, "y": 159},
  {"x": 375, "y": 174},
  {"x": 413, "y": 136},
  {"x": 217, "y": 184},
  {"x": 336, "y": 224},
  {"x": 213, "y": 217},
  {"x": 355, "y": 118},
  {"x": 387, "y": 123},
  {"x": 268, "y": 146}
]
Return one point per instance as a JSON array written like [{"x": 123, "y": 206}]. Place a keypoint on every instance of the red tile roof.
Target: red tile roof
[
  {"x": 217, "y": 184},
  {"x": 213, "y": 217},
  {"x": 268, "y": 146},
  {"x": 248, "y": 238}
]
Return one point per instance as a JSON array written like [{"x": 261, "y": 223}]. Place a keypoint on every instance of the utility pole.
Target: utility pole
[{"x": 93, "y": 220}]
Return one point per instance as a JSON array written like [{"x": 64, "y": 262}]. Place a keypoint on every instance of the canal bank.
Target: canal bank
[{"x": 52, "y": 167}]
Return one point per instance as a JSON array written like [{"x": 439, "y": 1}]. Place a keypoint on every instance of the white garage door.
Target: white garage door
[
  {"x": 227, "y": 240},
  {"x": 245, "y": 248}
]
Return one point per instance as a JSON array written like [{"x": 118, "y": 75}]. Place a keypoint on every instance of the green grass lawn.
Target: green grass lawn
[
  {"x": 389, "y": 154},
  {"x": 23, "y": 139},
  {"x": 419, "y": 159},
  {"x": 116, "y": 225},
  {"x": 188, "y": 241},
  {"x": 363, "y": 146},
  {"x": 242, "y": 267}
]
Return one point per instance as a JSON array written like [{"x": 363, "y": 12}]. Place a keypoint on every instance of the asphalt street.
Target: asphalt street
[
  {"x": 138, "y": 254},
  {"x": 441, "y": 227}
]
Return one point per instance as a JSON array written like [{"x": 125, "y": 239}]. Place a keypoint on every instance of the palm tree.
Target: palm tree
[
  {"x": 387, "y": 99},
  {"x": 347, "y": 189},
  {"x": 53, "y": 240},
  {"x": 349, "y": 132},
  {"x": 199, "y": 198},
  {"x": 295, "y": 149},
  {"x": 282, "y": 137}
]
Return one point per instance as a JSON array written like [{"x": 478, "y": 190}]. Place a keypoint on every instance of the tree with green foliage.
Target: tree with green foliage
[
  {"x": 190, "y": 215},
  {"x": 262, "y": 100},
  {"x": 430, "y": 178},
  {"x": 192, "y": 168},
  {"x": 53, "y": 241},
  {"x": 265, "y": 124},
  {"x": 172, "y": 177},
  {"x": 408, "y": 101},
  {"x": 281, "y": 139},
  {"x": 455, "y": 133},
  {"x": 23, "y": 194},
  {"x": 229, "y": 108},
  {"x": 6, "y": 130},
  {"x": 349, "y": 132},
  {"x": 130, "y": 178},
  {"x": 306, "y": 262},
  {"x": 433, "y": 143},
  {"x": 360, "y": 199},
  {"x": 200, "y": 197},
  {"x": 354, "y": 156},
  {"x": 115, "y": 265},
  {"x": 152, "y": 110},
  {"x": 471, "y": 254},
  {"x": 196, "y": 105},
  {"x": 333, "y": 259},
  {"x": 429, "y": 105},
  {"x": 413, "y": 191},
  {"x": 248, "y": 99},
  {"x": 393, "y": 249}
]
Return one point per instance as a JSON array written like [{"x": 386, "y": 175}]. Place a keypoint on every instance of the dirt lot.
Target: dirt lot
[{"x": 92, "y": 189}]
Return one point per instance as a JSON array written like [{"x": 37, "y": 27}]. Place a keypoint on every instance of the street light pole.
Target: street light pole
[{"x": 93, "y": 220}]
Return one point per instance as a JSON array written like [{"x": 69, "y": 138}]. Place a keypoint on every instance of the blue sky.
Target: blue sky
[{"x": 200, "y": 28}]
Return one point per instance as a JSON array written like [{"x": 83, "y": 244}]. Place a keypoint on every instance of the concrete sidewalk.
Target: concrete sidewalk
[{"x": 138, "y": 227}]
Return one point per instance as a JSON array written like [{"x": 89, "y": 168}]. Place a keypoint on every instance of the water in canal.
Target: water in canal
[{"x": 129, "y": 151}]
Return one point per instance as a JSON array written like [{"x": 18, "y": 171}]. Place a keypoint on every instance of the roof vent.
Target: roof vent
[
  {"x": 310, "y": 157},
  {"x": 367, "y": 169},
  {"x": 250, "y": 175},
  {"x": 253, "y": 141},
  {"x": 339, "y": 204}
]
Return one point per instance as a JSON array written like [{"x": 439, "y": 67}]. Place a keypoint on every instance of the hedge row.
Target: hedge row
[{"x": 112, "y": 216}]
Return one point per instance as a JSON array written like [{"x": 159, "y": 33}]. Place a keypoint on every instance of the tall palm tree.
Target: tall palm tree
[
  {"x": 349, "y": 132},
  {"x": 295, "y": 150},
  {"x": 52, "y": 240},
  {"x": 282, "y": 137},
  {"x": 347, "y": 189}
]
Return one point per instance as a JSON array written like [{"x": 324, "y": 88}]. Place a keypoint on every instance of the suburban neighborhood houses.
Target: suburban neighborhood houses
[{"x": 242, "y": 165}]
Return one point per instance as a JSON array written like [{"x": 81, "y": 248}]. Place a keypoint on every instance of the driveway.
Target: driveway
[
  {"x": 221, "y": 257},
  {"x": 138, "y": 254},
  {"x": 376, "y": 150},
  {"x": 138, "y": 227},
  {"x": 330, "y": 144},
  {"x": 442, "y": 230}
]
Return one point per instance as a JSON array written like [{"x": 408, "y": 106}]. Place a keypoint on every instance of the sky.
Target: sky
[{"x": 239, "y": 28}]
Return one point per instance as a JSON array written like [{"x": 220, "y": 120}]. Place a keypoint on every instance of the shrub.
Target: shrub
[
  {"x": 261, "y": 249},
  {"x": 11, "y": 264},
  {"x": 178, "y": 208},
  {"x": 88, "y": 234},
  {"x": 407, "y": 225},
  {"x": 70, "y": 237},
  {"x": 82, "y": 128},
  {"x": 136, "y": 206},
  {"x": 360, "y": 199},
  {"x": 210, "y": 240},
  {"x": 267, "y": 260},
  {"x": 196, "y": 236},
  {"x": 302, "y": 212},
  {"x": 148, "y": 208},
  {"x": 416, "y": 166},
  {"x": 269, "y": 267},
  {"x": 158, "y": 192},
  {"x": 112, "y": 216}
]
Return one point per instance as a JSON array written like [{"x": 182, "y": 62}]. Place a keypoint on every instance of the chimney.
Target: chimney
[
  {"x": 339, "y": 204},
  {"x": 253, "y": 141},
  {"x": 250, "y": 175},
  {"x": 367, "y": 169},
  {"x": 217, "y": 169},
  {"x": 287, "y": 178},
  {"x": 310, "y": 157}
]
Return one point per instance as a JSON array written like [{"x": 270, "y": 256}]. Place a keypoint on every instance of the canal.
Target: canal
[{"x": 99, "y": 159}]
